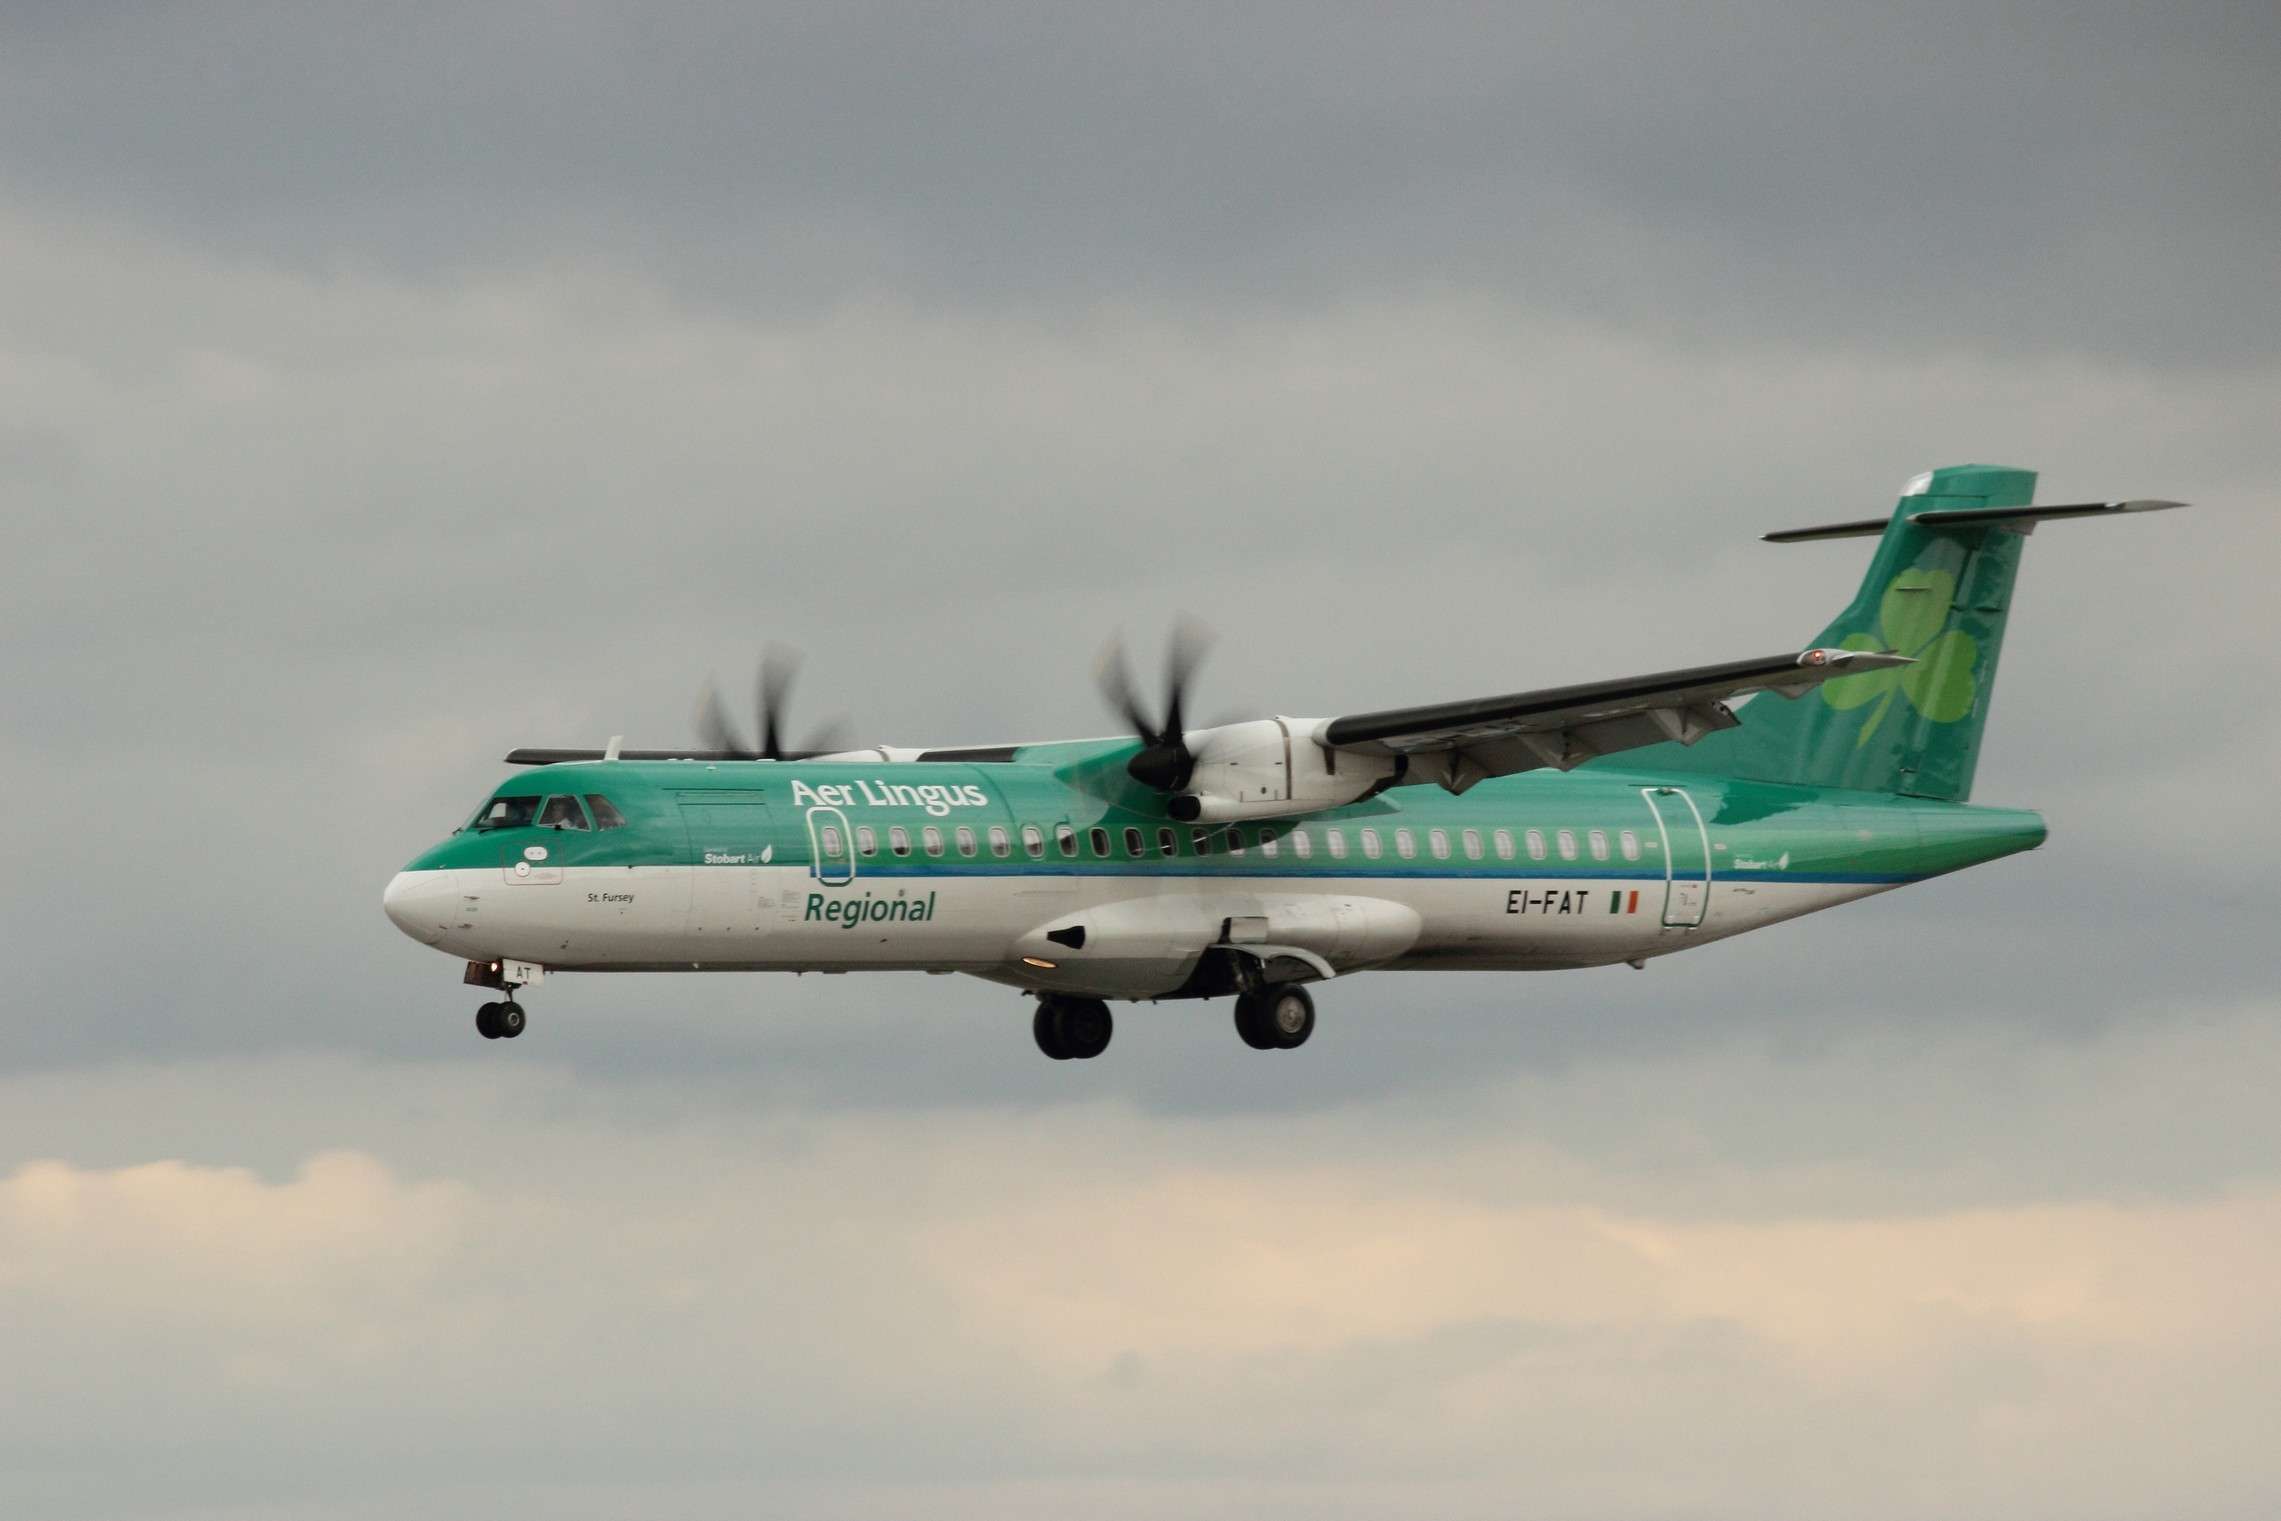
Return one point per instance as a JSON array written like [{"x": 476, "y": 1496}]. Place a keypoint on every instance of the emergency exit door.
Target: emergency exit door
[{"x": 831, "y": 853}]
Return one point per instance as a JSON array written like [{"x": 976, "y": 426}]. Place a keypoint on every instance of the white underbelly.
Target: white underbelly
[{"x": 783, "y": 918}]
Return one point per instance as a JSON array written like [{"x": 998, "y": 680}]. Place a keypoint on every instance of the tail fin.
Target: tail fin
[{"x": 1938, "y": 590}]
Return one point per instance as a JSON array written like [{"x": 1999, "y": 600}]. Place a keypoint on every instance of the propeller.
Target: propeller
[
  {"x": 779, "y": 663},
  {"x": 1164, "y": 761}
]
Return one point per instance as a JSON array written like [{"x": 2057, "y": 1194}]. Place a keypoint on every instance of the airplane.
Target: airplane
[{"x": 1578, "y": 826}]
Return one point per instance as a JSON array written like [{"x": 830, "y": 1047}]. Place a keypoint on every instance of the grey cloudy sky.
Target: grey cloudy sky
[{"x": 380, "y": 389}]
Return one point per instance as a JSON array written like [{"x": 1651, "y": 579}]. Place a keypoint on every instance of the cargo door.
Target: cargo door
[
  {"x": 731, "y": 841},
  {"x": 1686, "y": 855}
]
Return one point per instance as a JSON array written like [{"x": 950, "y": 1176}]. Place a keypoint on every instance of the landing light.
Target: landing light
[{"x": 1040, "y": 963}]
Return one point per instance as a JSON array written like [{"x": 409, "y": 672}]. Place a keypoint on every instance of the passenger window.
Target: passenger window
[
  {"x": 1065, "y": 840},
  {"x": 1405, "y": 844},
  {"x": 1099, "y": 838},
  {"x": 1438, "y": 842},
  {"x": 1201, "y": 840},
  {"x": 562, "y": 813},
  {"x": 1599, "y": 841},
  {"x": 1337, "y": 841},
  {"x": 1503, "y": 840},
  {"x": 1536, "y": 844},
  {"x": 1136, "y": 844},
  {"x": 1235, "y": 841},
  {"x": 866, "y": 841},
  {"x": 1370, "y": 843},
  {"x": 1001, "y": 844},
  {"x": 831, "y": 838},
  {"x": 965, "y": 840},
  {"x": 1630, "y": 843},
  {"x": 1168, "y": 842},
  {"x": 1033, "y": 842},
  {"x": 606, "y": 814},
  {"x": 931, "y": 837},
  {"x": 1473, "y": 844},
  {"x": 1566, "y": 839},
  {"x": 899, "y": 840},
  {"x": 1301, "y": 846}
]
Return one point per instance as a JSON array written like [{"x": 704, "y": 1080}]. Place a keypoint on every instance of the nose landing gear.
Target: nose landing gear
[
  {"x": 499, "y": 1021},
  {"x": 502, "y": 1020}
]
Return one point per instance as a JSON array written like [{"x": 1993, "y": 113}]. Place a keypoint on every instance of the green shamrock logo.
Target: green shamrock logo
[{"x": 1909, "y": 618}]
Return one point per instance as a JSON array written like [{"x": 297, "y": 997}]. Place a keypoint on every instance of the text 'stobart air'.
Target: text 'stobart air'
[{"x": 1571, "y": 827}]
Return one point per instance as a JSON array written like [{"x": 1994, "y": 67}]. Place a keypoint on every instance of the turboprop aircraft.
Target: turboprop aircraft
[{"x": 1576, "y": 826}]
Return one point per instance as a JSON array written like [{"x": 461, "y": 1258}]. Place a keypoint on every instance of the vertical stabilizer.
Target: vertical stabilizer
[{"x": 1938, "y": 592}]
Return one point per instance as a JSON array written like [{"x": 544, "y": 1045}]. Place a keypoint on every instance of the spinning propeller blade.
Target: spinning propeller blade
[
  {"x": 1164, "y": 760},
  {"x": 772, "y": 690}
]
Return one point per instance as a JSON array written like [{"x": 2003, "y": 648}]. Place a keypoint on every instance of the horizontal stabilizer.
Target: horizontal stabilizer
[
  {"x": 1983, "y": 517},
  {"x": 1861, "y": 528},
  {"x": 2024, "y": 518}
]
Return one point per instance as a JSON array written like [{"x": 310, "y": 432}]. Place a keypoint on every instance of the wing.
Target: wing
[
  {"x": 959, "y": 755},
  {"x": 1460, "y": 743}
]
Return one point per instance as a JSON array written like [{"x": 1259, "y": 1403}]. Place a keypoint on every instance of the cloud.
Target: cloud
[
  {"x": 668, "y": 1292},
  {"x": 295, "y": 1281},
  {"x": 1916, "y": 178}
]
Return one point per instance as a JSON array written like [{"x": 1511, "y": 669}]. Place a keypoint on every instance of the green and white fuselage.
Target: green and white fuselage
[
  {"x": 739, "y": 866},
  {"x": 1570, "y": 827}
]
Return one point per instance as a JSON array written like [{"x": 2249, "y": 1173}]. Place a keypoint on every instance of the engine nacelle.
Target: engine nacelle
[{"x": 1272, "y": 768}]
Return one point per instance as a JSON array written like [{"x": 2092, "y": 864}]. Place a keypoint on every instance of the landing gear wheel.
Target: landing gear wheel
[
  {"x": 1251, "y": 1022},
  {"x": 487, "y": 1021},
  {"x": 1046, "y": 1028},
  {"x": 1290, "y": 1016},
  {"x": 1072, "y": 1029},
  {"x": 509, "y": 1019},
  {"x": 1275, "y": 1018},
  {"x": 1086, "y": 1026}
]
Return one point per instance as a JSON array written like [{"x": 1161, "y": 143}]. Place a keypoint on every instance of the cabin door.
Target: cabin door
[{"x": 1686, "y": 855}]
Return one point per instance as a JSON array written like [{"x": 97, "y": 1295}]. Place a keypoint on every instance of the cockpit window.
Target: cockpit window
[
  {"x": 506, "y": 813},
  {"x": 562, "y": 813},
  {"x": 606, "y": 814}
]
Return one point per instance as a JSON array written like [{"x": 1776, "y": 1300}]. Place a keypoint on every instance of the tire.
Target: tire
[
  {"x": 509, "y": 1020},
  {"x": 1251, "y": 1020},
  {"x": 1046, "y": 1028},
  {"x": 1086, "y": 1026},
  {"x": 1289, "y": 1016},
  {"x": 487, "y": 1021}
]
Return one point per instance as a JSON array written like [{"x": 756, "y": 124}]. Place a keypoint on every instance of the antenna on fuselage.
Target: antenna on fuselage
[{"x": 610, "y": 753}]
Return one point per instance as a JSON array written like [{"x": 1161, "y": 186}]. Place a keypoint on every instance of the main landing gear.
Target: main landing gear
[
  {"x": 1277, "y": 1017},
  {"x": 1072, "y": 1029},
  {"x": 499, "y": 1021}
]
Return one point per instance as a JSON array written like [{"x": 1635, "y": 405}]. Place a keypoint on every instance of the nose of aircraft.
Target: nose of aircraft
[{"x": 416, "y": 902}]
